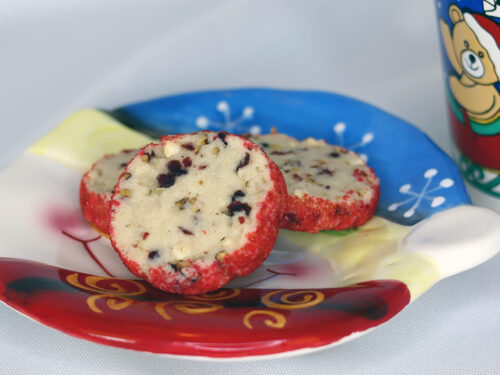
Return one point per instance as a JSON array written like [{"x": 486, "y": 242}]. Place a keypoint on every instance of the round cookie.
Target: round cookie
[
  {"x": 329, "y": 187},
  {"x": 97, "y": 184},
  {"x": 197, "y": 210}
]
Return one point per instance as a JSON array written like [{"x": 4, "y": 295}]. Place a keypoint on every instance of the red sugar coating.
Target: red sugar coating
[
  {"x": 95, "y": 206},
  {"x": 313, "y": 214},
  {"x": 240, "y": 262}
]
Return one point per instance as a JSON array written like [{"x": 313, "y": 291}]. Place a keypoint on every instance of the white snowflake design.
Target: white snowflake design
[
  {"x": 339, "y": 129},
  {"x": 424, "y": 194},
  {"x": 230, "y": 124}
]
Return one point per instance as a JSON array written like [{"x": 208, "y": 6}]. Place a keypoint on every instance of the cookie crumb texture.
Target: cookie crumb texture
[
  {"x": 329, "y": 187},
  {"x": 96, "y": 187},
  {"x": 197, "y": 210}
]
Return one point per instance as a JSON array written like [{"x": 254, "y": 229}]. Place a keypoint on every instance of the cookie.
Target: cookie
[
  {"x": 197, "y": 210},
  {"x": 329, "y": 187},
  {"x": 96, "y": 187}
]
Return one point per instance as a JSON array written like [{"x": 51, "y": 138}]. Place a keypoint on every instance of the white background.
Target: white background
[{"x": 60, "y": 56}]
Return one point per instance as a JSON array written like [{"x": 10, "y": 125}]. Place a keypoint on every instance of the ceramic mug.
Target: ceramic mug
[{"x": 470, "y": 40}]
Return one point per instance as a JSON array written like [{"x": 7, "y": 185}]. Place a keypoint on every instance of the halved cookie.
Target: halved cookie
[
  {"x": 197, "y": 210},
  {"x": 329, "y": 187}
]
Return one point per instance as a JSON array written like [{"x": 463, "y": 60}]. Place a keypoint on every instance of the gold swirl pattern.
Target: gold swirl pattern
[
  {"x": 111, "y": 301},
  {"x": 91, "y": 284},
  {"x": 117, "y": 293},
  {"x": 115, "y": 298},
  {"x": 218, "y": 295},
  {"x": 279, "y": 319},
  {"x": 309, "y": 298},
  {"x": 188, "y": 307}
]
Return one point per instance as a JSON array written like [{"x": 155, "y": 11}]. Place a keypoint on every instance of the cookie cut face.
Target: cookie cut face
[
  {"x": 329, "y": 187},
  {"x": 97, "y": 185},
  {"x": 197, "y": 210}
]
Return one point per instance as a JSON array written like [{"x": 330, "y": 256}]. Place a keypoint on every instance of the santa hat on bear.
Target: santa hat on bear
[{"x": 487, "y": 32}]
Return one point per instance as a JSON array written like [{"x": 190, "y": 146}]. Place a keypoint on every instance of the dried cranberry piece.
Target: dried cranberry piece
[
  {"x": 174, "y": 165},
  {"x": 243, "y": 162},
  {"x": 188, "y": 146},
  {"x": 165, "y": 180},
  {"x": 153, "y": 254},
  {"x": 175, "y": 168},
  {"x": 174, "y": 266},
  {"x": 237, "y": 206},
  {"x": 185, "y": 231},
  {"x": 237, "y": 193},
  {"x": 222, "y": 137},
  {"x": 325, "y": 171},
  {"x": 187, "y": 162}
]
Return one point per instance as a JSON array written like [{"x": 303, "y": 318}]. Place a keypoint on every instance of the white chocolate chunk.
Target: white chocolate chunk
[{"x": 170, "y": 149}]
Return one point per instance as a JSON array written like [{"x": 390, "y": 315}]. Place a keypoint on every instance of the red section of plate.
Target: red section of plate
[{"x": 223, "y": 324}]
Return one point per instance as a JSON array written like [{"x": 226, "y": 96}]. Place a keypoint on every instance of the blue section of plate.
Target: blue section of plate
[{"x": 417, "y": 179}]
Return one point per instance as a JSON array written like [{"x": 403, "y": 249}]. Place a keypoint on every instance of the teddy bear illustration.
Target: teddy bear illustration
[{"x": 474, "y": 54}]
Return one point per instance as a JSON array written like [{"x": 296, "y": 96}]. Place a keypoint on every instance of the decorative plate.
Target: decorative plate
[{"x": 313, "y": 291}]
